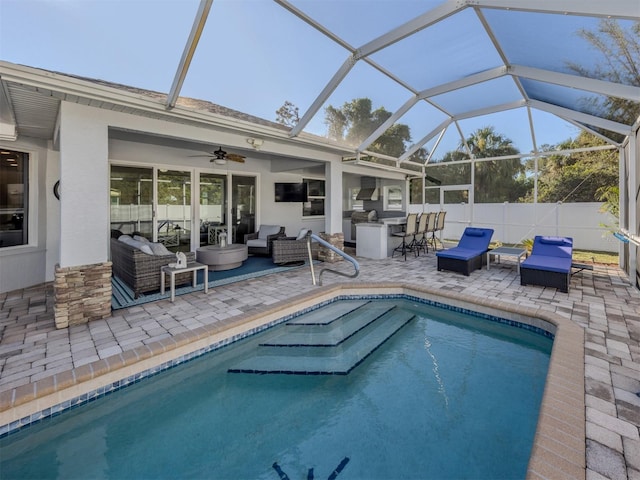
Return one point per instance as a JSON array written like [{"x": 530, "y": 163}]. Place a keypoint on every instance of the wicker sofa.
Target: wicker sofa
[{"x": 141, "y": 271}]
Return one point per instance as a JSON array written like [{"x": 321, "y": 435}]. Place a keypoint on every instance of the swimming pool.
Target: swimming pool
[{"x": 446, "y": 392}]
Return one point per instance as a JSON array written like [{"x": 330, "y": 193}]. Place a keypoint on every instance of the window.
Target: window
[
  {"x": 315, "y": 205},
  {"x": 393, "y": 197},
  {"x": 14, "y": 184}
]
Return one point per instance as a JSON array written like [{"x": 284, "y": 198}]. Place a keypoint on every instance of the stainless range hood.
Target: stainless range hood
[{"x": 367, "y": 194}]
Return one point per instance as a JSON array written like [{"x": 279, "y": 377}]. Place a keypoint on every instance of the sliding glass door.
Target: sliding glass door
[
  {"x": 243, "y": 206},
  {"x": 213, "y": 208},
  {"x": 173, "y": 212},
  {"x": 131, "y": 200},
  {"x": 134, "y": 212},
  {"x": 169, "y": 218}
]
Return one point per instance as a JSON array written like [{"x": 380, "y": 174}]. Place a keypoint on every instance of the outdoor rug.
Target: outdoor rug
[{"x": 253, "y": 267}]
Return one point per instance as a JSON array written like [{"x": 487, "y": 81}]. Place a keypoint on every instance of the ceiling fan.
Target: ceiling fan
[{"x": 220, "y": 157}]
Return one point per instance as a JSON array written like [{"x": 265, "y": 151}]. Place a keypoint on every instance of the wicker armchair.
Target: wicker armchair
[
  {"x": 141, "y": 271},
  {"x": 260, "y": 243},
  {"x": 290, "y": 249}
]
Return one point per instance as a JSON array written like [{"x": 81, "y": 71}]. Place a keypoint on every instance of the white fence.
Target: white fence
[
  {"x": 177, "y": 214},
  {"x": 514, "y": 222}
]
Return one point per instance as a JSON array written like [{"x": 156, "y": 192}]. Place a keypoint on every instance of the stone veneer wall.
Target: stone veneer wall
[
  {"x": 335, "y": 239},
  {"x": 82, "y": 294}
]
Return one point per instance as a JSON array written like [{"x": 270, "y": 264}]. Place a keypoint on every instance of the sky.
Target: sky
[{"x": 254, "y": 55}]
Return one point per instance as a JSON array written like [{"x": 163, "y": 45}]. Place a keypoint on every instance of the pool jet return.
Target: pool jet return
[{"x": 311, "y": 236}]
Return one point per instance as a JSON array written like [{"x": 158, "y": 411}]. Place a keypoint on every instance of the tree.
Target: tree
[
  {"x": 611, "y": 197},
  {"x": 288, "y": 114},
  {"x": 620, "y": 63},
  {"x": 355, "y": 121},
  {"x": 580, "y": 176},
  {"x": 495, "y": 180}
]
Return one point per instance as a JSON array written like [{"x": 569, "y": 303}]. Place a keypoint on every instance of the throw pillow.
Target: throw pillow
[
  {"x": 302, "y": 234},
  {"x": 553, "y": 240},
  {"x": 140, "y": 239},
  {"x": 159, "y": 249},
  {"x": 144, "y": 248}
]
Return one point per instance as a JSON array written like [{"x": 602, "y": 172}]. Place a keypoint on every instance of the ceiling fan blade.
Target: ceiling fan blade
[
  {"x": 234, "y": 157},
  {"x": 219, "y": 156}
]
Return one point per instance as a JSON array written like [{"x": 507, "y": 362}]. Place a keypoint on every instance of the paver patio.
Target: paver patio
[{"x": 602, "y": 301}]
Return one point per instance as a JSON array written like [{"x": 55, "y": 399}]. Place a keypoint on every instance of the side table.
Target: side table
[
  {"x": 519, "y": 253},
  {"x": 173, "y": 271}
]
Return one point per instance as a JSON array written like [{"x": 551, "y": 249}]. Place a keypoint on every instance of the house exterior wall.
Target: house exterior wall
[
  {"x": 53, "y": 215},
  {"x": 26, "y": 265},
  {"x": 74, "y": 232},
  {"x": 333, "y": 203},
  {"x": 84, "y": 182}
]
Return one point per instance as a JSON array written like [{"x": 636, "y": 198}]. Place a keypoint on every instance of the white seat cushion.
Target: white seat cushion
[{"x": 257, "y": 242}]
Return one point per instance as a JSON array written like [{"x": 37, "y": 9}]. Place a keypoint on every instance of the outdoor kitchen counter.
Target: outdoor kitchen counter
[{"x": 374, "y": 240}]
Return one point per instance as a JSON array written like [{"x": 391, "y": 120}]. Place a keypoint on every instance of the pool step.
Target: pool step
[
  {"x": 329, "y": 332},
  {"x": 336, "y": 352},
  {"x": 328, "y": 314}
]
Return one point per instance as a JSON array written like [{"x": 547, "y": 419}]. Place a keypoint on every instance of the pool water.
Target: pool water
[{"x": 449, "y": 395}]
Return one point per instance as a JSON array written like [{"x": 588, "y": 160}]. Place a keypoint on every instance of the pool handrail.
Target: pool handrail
[{"x": 324, "y": 243}]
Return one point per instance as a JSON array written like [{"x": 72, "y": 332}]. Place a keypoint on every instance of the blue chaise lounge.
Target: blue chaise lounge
[
  {"x": 549, "y": 264},
  {"x": 468, "y": 255}
]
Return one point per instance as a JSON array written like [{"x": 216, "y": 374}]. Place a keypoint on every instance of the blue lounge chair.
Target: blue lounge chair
[
  {"x": 549, "y": 264},
  {"x": 469, "y": 253}
]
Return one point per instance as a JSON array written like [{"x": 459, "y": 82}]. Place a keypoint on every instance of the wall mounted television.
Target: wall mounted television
[{"x": 291, "y": 192}]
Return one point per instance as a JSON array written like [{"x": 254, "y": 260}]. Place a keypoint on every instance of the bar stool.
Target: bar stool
[
  {"x": 439, "y": 227},
  {"x": 421, "y": 242},
  {"x": 429, "y": 229},
  {"x": 409, "y": 231}
]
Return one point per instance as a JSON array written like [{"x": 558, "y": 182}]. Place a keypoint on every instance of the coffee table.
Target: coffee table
[
  {"x": 222, "y": 258},
  {"x": 519, "y": 253}
]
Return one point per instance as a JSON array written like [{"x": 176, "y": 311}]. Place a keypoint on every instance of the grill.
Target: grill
[{"x": 368, "y": 216}]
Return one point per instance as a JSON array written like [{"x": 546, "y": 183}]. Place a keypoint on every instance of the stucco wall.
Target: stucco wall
[{"x": 26, "y": 265}]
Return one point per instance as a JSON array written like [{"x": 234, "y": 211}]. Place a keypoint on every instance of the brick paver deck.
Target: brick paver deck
[{"x": 602, "y": 302}]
